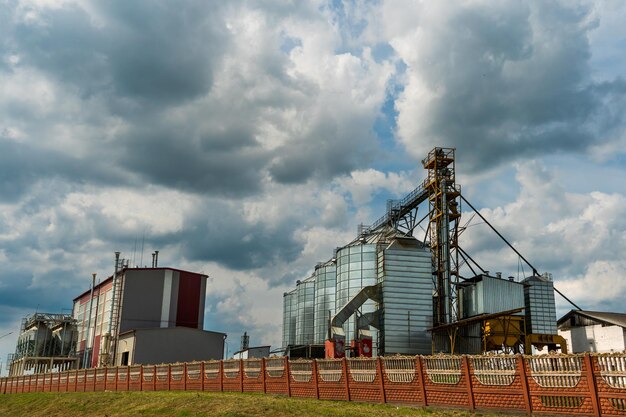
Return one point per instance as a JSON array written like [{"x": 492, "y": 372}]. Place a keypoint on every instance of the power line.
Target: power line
[{"x": 535, "y": 272}]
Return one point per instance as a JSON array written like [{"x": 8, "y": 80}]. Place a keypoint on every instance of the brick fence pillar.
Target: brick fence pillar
[
  {"x": 591, "y": 381},
  {"x": 524, "y": 379},
  {"x": 422, "y": 379},
  {"x": 381, "y": 379},
  {"x": 468, "y": 377},
  {"x": 346, "y": 378},
  {"x": 288, "y": 372}
]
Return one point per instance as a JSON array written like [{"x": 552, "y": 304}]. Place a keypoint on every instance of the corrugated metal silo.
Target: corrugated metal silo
[
  {"x": 356, "y": 268},
  {"x": 540, "y": 305},
  {"x": 290, "y": 303},
  {"x": 325, "y": 292},
  {"x": 305, "y": 291},
  {"x": 406, "y": 275}
]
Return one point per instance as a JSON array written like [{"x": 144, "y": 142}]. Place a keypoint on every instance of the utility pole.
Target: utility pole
[{"x": 86, "y": 355}]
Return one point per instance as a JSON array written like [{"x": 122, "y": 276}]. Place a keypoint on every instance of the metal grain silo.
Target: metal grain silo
[
  {"x": 290, "y": 304},
  {"x": 325, "y": 292},
  {"x": 305, "y": 291},
  {"x": 405, "y": 276},
  {"x": 356, "y": 268}
]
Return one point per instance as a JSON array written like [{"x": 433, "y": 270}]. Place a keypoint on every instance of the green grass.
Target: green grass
[{"x": 196, "y": 404}]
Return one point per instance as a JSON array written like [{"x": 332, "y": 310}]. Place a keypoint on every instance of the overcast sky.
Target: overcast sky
[{"x": 247, "y": 139}]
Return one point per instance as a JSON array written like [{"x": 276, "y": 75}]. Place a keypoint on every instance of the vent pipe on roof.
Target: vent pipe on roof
[
  {"x": 156, "y": 258},
  {"x": 152, "y": 264}
]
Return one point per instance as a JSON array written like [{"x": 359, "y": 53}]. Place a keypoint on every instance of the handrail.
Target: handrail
[{"x": 403, "y": 206}]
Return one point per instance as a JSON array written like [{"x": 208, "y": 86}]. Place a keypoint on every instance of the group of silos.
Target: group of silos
[{"x": 401, "y": 268}]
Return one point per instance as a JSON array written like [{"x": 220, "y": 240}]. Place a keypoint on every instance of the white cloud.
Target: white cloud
[
  {"x": 577, "y": 237},
  {"x": 501, "y": 81},
  {"x": 607, "y": 40},
  {"x": 602, "y": 284},
  {"x": 363, "y": 184}
]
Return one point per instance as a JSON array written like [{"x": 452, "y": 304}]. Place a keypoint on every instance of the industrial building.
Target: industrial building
[
  {"x": 168, "y": 345},
  {"x": 136, "y": 316},
  {"x": 114, "y": 317},
  {"x": 594, "y": 331},
  {"x": 391, "y": 292}
]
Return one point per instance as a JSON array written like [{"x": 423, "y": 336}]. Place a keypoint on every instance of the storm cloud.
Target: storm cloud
[{"x": 502, "y": 81}]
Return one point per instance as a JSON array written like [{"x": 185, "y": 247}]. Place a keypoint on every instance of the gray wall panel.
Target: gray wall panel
[
  {"x": 142, "y": 299},
  {"x": 180, "y": 344}
]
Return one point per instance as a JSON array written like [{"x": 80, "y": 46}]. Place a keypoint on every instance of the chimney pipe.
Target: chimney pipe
[
  {"x": 152, "y": 266},
  {"x": 156, "y": 258}
]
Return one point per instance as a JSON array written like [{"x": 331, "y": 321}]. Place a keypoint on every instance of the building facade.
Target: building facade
[
  {"x": 143, "y": 298},
  {"x": 593, "y": 331}
]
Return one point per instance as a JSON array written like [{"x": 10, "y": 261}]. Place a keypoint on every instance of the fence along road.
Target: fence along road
[{"x": 593, "y": 385}]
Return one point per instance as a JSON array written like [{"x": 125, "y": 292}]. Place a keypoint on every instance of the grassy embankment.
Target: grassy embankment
[{"x": 191, "y": 404}]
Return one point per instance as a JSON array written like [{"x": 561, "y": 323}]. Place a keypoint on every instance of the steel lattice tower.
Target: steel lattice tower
[{"x": 443, "y": 193}]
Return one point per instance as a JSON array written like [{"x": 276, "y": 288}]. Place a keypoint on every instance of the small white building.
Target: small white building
[
  {"x": 253, "y": 352},
  {"x": 593, "y": 331}
]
